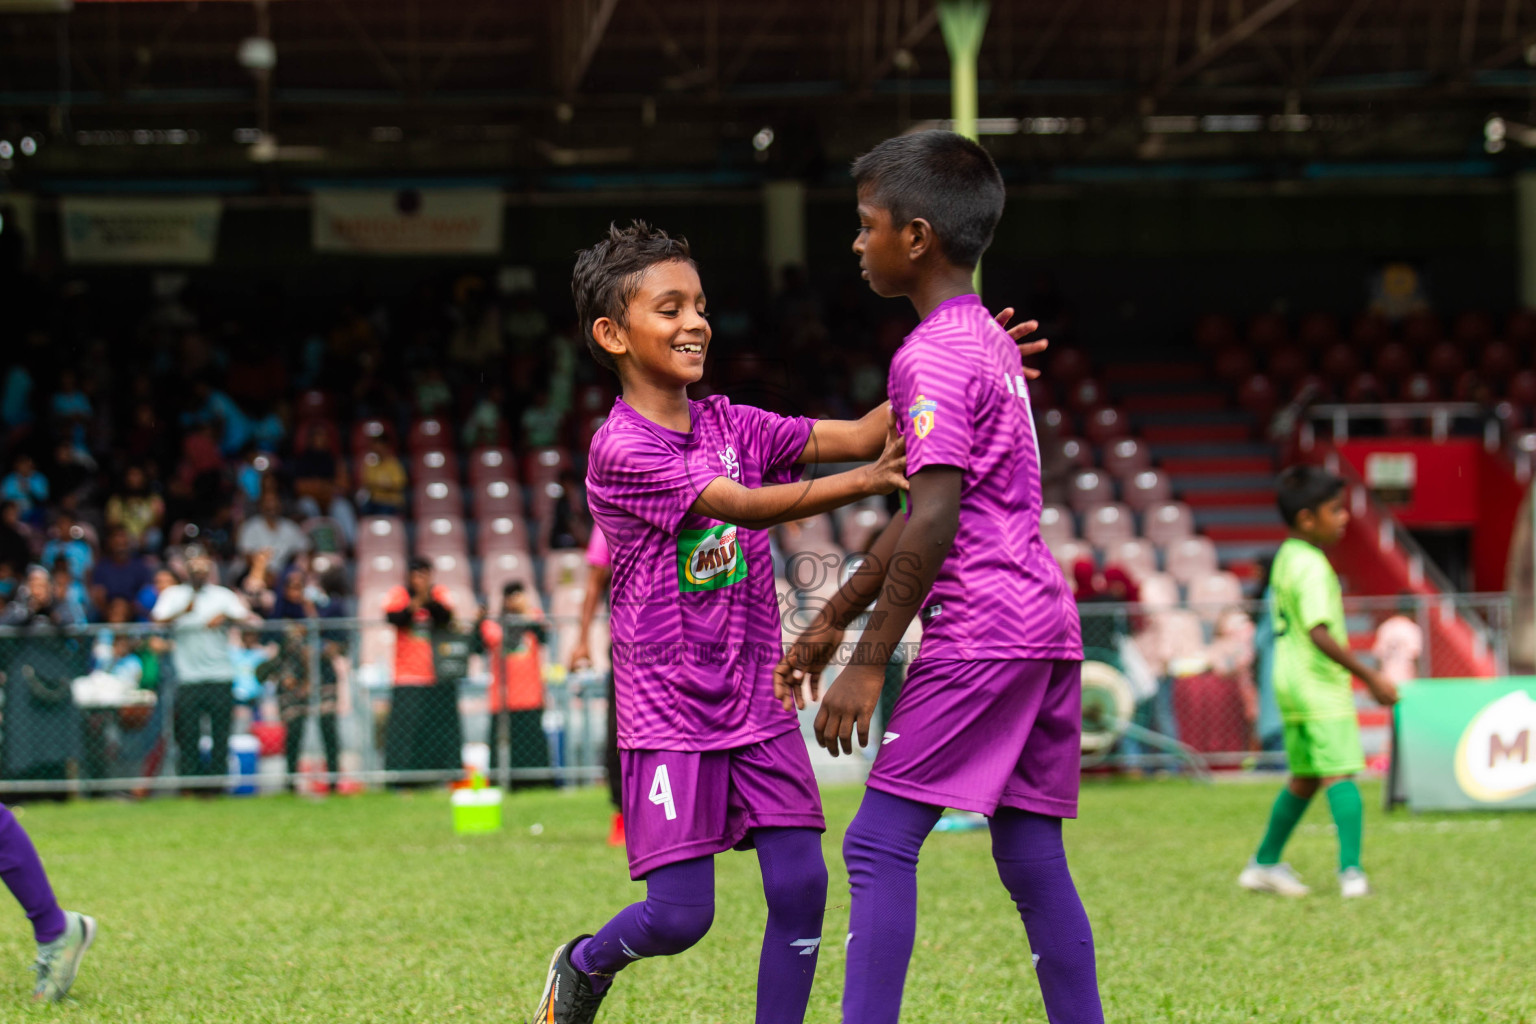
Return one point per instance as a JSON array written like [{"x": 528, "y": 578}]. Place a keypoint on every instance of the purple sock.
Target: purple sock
[
  {"x": 795, "y": 884},
  {"x": 881, "y": 848},
  {"x": 678, "y": 909},
  {"x": 1033, "y": 867},
  {"x": 24, "y": 876}
]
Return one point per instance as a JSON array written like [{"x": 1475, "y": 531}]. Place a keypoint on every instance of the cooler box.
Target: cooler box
[
  {"x": 477, "y": 810},
  {"x": 244, "y": 751}
]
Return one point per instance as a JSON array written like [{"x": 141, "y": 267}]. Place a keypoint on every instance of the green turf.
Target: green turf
[{"x": 370, "y": 909}]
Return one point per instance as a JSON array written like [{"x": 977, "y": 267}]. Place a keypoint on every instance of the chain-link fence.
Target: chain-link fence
[{"x": 347, "y": 703}]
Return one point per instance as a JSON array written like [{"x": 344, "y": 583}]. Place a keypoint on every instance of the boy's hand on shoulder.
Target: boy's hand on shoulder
[
  {"x": 1026, "y": 348},
  {"x": 806, "y": 659},
  {"x": 889, "y": 472},
  {"x": 850, "y": 702}
]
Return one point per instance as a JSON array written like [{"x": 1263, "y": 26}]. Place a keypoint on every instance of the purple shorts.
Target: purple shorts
[
  {"x": 683, "y": 804},
  {"x": 979, "y": 735}
]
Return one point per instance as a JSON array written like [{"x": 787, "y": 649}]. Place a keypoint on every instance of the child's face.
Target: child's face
[
  {"x": 883, "y": 250},
  {"x": 667, "y": 335},
  {"x": 1324, "y": 525},
  {"x": 514, "y": 604}
]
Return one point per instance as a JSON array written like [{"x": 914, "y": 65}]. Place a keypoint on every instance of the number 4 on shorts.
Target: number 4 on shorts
[{"x": 661, "y": 792}]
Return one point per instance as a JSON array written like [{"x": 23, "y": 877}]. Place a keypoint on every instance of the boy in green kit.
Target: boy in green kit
[{"x": 1313, "y": 666}]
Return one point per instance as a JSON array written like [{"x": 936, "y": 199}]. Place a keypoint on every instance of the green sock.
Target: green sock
[
  {"x": 1349, "y": 816},
  {"x": 1283, "y": 817}
]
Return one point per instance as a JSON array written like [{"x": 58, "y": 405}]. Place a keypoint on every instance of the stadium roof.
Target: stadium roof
[{"x": 370, "y": 87}]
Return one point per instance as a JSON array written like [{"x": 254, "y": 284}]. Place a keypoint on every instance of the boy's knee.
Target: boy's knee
[
  {"x": 674, "y": 927},
  {"x": 798, "y": 894}
]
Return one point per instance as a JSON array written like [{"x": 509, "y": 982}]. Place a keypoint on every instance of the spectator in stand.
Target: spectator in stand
[
  {"x": 433, "y": 395},
  {"x": 1233, "y": 652},
  {"x": 383, "y": 480},
  {"x": 320, "y": 480},
  {"x": 423, "y": 732},
  {"x": 271, "y": 532},
  {"x": 37, "y": 603},
  {"x": 138, "y": 511},
  {"x": 16, "y": 405},
  {"x": 297, "y": 599},
  {"x": 270, "y": 430},
  {"x": 258, "y": 585},
  {"x": 15, "y": 542},
  {"x": 120, "y": 573},
  {"x": 484, "y": 425},
  {"x": 541, "y": 422},
  {"x": 164, "y": 579},
  {"x": 42, "y": 727},
  {"x": 213, "y": 408},
  {"x": 200, "y": 614},
  {"x": 27, "y": 488},
  {"x": 571, "y": 526},
  {"x": 199, "y": 484},
  {"x": 69, "y": 592},
  {"x": 1085, "y": 582},
  {"x": 514, "y": 642},
  {"x": 73, "y": 473},
  {"x": 69, "y": 409},
  {"x": 69, "y": 540}
]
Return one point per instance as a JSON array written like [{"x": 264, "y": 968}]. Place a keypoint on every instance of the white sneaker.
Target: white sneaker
[
  {"x": 1276, "y": 878},
  {"x": 59, "y": 961},
  {"x": 1352, "y": 884}
]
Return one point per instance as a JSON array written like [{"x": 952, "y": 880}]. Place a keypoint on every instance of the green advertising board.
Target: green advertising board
[{"x": 1465, "y": 744}]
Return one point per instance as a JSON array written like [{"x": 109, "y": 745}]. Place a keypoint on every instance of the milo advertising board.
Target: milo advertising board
[{"x": 1466, "y": 744}]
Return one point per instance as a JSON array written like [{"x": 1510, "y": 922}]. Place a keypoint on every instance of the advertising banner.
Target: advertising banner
[
  {"x": 108, "y": 230},
  {"x": 412, "y": 222},
  {"x": 1466, "y": 745}
]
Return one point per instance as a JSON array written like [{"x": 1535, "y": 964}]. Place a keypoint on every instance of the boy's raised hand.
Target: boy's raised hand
[
  {"x": 1026, "y": 348},
  {"x": 808, "y": 655},
  {"x": 889, "y": 472}
]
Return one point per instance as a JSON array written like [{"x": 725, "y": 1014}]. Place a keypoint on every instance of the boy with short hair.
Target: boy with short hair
[
  {"x": 1313, "y": 666},
  {"x": 685, "y": 491},
  {"x": 989, "y": 719}
]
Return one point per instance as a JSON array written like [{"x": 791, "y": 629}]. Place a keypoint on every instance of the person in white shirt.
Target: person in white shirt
[
  {"x": 270, "y": 531},
  {"x": 200, "y": 614}
]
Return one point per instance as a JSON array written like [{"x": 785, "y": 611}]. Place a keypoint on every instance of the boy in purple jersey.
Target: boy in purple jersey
[
  {"x": 684, "y": 492},
  {"x": 989, "y": 719}
]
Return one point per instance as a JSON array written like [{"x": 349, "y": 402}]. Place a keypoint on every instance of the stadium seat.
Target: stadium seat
[
  {"x": 1105, "y": 424},
  {"x": 380, "y": 570},
  {"x": 1056, "y": 525},
  {"x": 1288, "y": 364},
  {"x": 1091, "y": 487},
  {"x": 1158, "y": 591},
  {"x": 1049, "y": 423},
  {"x": 1065, "y": 454},
  {"x": 1069, "y": 553},
  {"x": 438, "y": 497},
  {"x": 1522, "y": 388},
  {"x": 1212, "y": 594},
  {"x": 1126, "y": 457},
  {"x": 1068, "y": 366},
  {"x": 1258, "y": 397},
  {"x": 546, "y": 464},
  {"x": 1421, "y": 331},
  {"x": 1520, "y": 329},
  {"x": 1318, "y": 331},
  {"x": 1445, "y": 361},
  {"x": 1234, "y": 364},
  {"x": 487, "y": 464},
  {"x": 1136, "y": 556},
  {"x": 1472, "y": 328},
  {"x": 427, "y": 466},
  {"x": 497, "y": 498},
  {"x": 1145, "y": 489},
  {"x": 1393, "y": 362},
  {"x": 1267, "y": 332},
  {"x": 381, "y": 535},
  {"x": 313, "y": 405},
  {"x": 1365, "y": 387},
  {"x": 1189, "y": 559},
  {"x": 509, "y": 566},
  {"x": 565, "y": 567},
  {"x": 364, "y": 431},
  {"x": 430, "y": 434},
  {"x": 1498, "y": 361},
  {"x": 1370, "y": 331},
  {"x": 1182, "y": 637},
  {"x": 813, "y": 536},
  {"x": 1419, "y": 387},
  {"x": 1167, "y": 522},
  {"x": 1214, "y": 332},
  {"x": 452, "y": 573},
  {"x": 441, "y": 534},
  {"x": 1339, "y": 363},
  {"x": 500, "y": 534},
  {"x": 1085, "y": 395},
  {"x": 1108, "y": 524},
  {"x": 862, "y": 523}
]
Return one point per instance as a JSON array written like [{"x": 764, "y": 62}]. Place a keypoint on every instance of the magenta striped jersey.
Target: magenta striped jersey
[
  {"x": 695, "y": 615},
  {"x": 958, "y": 391}
]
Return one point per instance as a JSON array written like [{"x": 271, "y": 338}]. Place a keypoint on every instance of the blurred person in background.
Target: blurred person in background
[
  {"x": 137, "y": 510},
  {"x": 27, "y": 488},
  {"x": 120, "y": 573},
  {"x": 297, "y": 599},
  {"x": 200, "y": 614},
  {"x": 514, "y": 641},
  {"x": 272, "y": 532},
  {"x": 70, "y": 540},
  {"x": 423, "y": 732},
  {"x": 15, "y": 541},
  {"x": 42, "y": 727},
  {"x": 599, "y": 576},
  {"x": 320, "y": 480},
  {"x": 382, "y": 480}
]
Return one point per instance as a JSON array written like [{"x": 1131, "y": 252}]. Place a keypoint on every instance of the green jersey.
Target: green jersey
[{"x": 1309, "y": 685}]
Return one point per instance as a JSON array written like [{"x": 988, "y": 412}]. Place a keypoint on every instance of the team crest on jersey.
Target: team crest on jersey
[
  {"x": 709, "y": 559},
  {"x": 922, "y": 415}
]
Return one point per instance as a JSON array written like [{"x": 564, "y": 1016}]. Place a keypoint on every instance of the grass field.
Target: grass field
[{"x": 370, "y": 909}]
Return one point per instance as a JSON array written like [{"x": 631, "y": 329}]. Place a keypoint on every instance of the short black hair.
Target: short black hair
[
  {"x": 419, "y": 564},
  {"x": 514, "y": 587},
  {"x": 946, "y": 179},
  {"x": 607, "y": 276},
  {"x": 1303, "y": 488}
]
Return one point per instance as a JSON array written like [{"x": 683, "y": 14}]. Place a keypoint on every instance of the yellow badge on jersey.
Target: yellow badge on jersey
[{"x": 922, "y": 414}]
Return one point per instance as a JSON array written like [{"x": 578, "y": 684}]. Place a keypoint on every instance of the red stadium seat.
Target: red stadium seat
[
  {"x": 1086, "y": 394},
  {"x": 497, "y": 498},
  {"x": 1234, "y": 364},
  {"x": 1394, "y": 362},
  {"x": 1215, "y": 332},
  {"x": 1091, "y": 487},
  {"x": 1049, "y": 423},
  {"x": 438, "y": 497},
  {"x": 381, "y": 535},
  {"x": 431, "y": 434},
  {"x": 1419, "y": 387},
  {"x": 1422, "y": 331},
  {"x": 546, "y": 464},
  {"x": 1168, "y": 522},
  {"x": 1108, "y": 524},
  {"x": 1472, "y": 329},
  {"x": 503, "y": 533},
  {"x": 1159, "y": 592},
  {"x": 1126, "y": 457},
  {"x": 364, "y": 431},
  {"x": 1258, "y": 397},
  {"x": 862, "y": 523},
  {"x": 1370, "y": 331},
  {"x": 1498, "y": 360},
  {"x": 441, "y": 535},
  {"x": 1056, "y": 525},
  {"x": 1068, "y": 366},
  {"x": 1267, "y": 332},
  {"x": 1212, "y": 594},
  {"x": 1147, "y": 488},
  {"x": 313, "y": 405},
  {"x": 1068, "y": 553},
  {"x": 491, "y": 464},
  {"x": 1190, "y": 558},
  {"x": 426, "y": 466},
  {"x": 507, "y": 567},
  {"x": 453, "y": 574},
  {"x": 1136, "y": 556},
  {"x": 1520, "y": 329},
  {"x": 1288, "y": 363},
  {"x": 1365, "y": 387},
  {"x": 1522, "y": 389},
  {"x": 1105, "y": 424},
  {"x": 1318, "y": 331},
  {"x": 1445, "y": 361}
]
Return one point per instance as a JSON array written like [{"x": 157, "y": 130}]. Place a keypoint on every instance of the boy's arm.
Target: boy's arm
[
  {"x": 860, "y": 440},
  {"x": 919, "y": 553},
  {"x": 598, "y": 577},
  {"x": 1381, "y": 687},
  {"x": 757, "y": 508},
  {"x": 810, "y": 652}
]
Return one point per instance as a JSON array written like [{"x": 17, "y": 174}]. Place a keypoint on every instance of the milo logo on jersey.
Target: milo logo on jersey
[{"x": 709, "y": 559}]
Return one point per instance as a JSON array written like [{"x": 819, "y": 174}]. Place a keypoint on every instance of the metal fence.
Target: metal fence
[{"x": 316, "y": 704}]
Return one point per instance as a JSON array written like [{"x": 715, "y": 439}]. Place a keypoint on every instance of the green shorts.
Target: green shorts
[{"x": 1323, "y": 748}]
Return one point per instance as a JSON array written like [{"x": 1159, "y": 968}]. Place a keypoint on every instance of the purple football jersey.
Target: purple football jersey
[
  {"x": 695, "y": 615},
  {"x": 958, "y": 391}
]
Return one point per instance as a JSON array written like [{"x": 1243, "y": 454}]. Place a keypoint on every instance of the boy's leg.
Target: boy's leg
[
  {"x": 678, "y": 908},
  {"x": 1348, "y": 812},
  {"x": 1033, "y": 866},
  {"x": 795, "y": 886},
  {"x": 23, "y": 874},
  {"x": 881, "y": 849},
  {"x": 1288, "y": 808}
]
